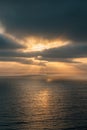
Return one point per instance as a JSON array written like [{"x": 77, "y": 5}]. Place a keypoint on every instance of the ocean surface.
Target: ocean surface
[{"x": 34, "y": 103}]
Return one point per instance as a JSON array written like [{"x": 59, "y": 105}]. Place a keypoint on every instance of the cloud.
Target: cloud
[
  {"x": 46, "y": 18},
  {"x": 68, "y": 60},
  {"x": 15, "y": 53},
  {"x": 8, "y": 43},
  {"x": 22, "y": 61},
  {"x": 67, "y": 51},
  {"x": 63, "y": 54}
]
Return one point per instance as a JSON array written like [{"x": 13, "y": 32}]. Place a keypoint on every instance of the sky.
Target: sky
[{"x": 43, "y": 36}]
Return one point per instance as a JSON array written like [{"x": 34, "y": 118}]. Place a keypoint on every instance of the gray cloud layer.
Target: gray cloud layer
[
  {"x": 48, "y": 18},
  {"x": 21, "y": 60},
  {"x": 64, "y": 52}
]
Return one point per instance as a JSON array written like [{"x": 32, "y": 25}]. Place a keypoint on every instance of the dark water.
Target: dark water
[{"x": 31, "y": 103}]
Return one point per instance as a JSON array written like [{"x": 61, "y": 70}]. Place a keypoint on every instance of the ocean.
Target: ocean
[{"x": 35, "y": 103}]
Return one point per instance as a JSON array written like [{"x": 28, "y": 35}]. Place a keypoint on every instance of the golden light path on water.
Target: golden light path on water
[
  {"x": 38, "y": 103},
  {"x": 43, "y": 99}
]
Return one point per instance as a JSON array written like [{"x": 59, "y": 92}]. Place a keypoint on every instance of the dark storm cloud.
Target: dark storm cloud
[
  {"x": 67, "y": 51},
  {"x": 7, "y": 43},
  {"x": 47, "y": 18}
]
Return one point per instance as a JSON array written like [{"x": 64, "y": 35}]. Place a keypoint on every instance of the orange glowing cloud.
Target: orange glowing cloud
[
  {"x": 80, "y": 60},
  {"x": 40, "y": 44}
]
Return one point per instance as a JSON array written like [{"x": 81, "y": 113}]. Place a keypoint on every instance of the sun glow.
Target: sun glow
[
  {"x": 39, "y": 47},
  {"x": 40, "y": 44}
]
